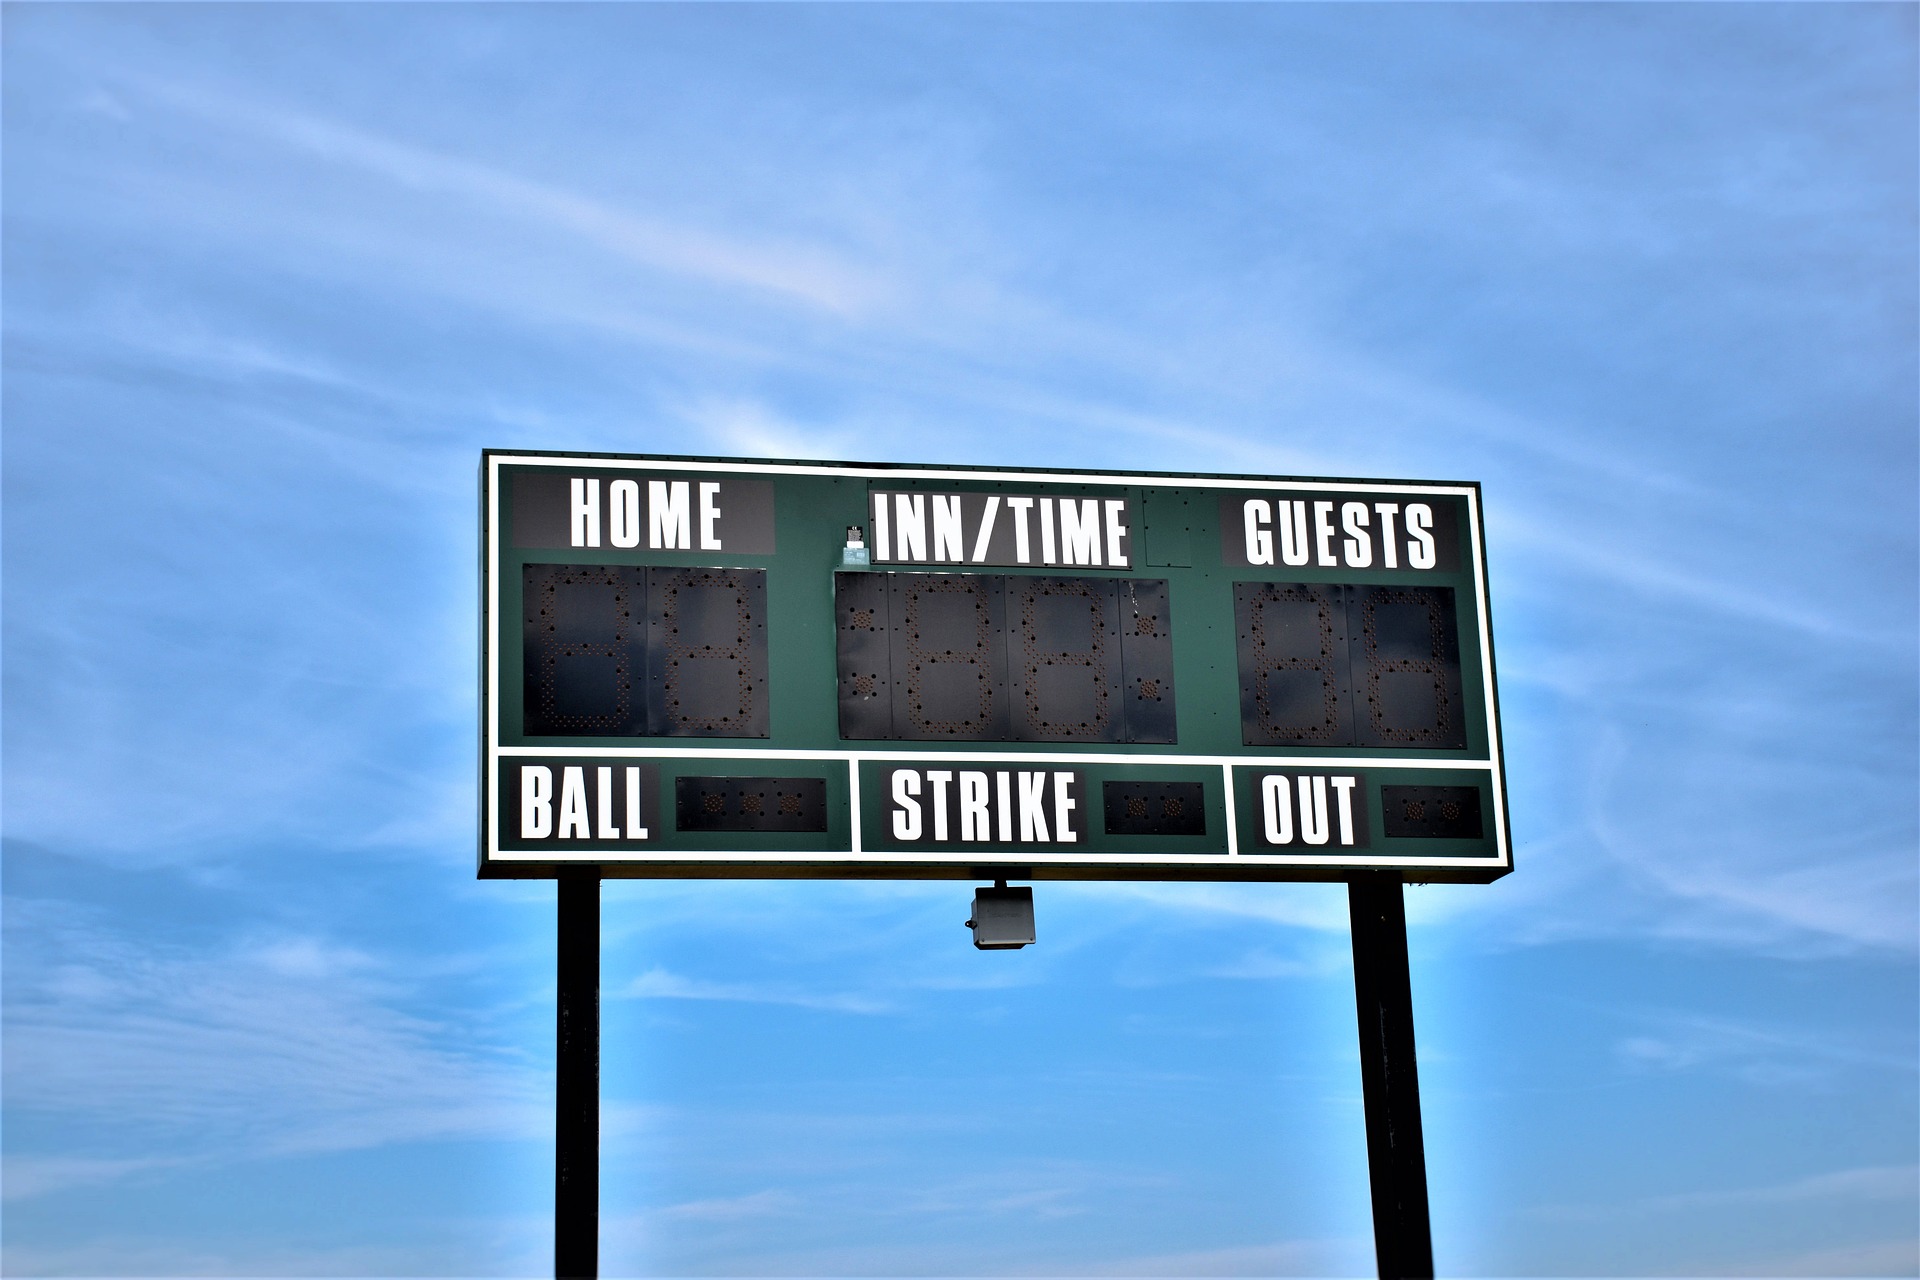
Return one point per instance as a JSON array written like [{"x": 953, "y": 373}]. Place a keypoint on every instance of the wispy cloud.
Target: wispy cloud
[
  {"x": 1322, "y": 908},
  {"x": 1893, "y": 1257},
  {"x": 1894, "y": 1183},
  {"x": 239, "y": 1053},
  {"x": 1738, "y": 878},
  {"x": 1762, "y": 603},
  {"x": 1882, "y": 1182},
  {"x": 753, "y": 429},
  {"x": 659, "y": 984},
  {"x": 1757, "y": 1052},
  {"x": 22, "y": 1176},
  {"x": 1351, "y": 1256},
  {"x": 1262, "y": 964},
  {"x": 755, "y": 1204},
  {"x": 489, "y": 1247},
  {"x": 797, "y": 273},
  {"x": 971, "y": 1218}
]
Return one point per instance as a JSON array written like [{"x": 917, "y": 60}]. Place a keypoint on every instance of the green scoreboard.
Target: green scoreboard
[{"x": 723, "y": 667}]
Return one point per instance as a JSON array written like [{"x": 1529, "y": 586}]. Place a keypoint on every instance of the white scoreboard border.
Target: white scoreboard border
[{"x": 1502, "y": 859}]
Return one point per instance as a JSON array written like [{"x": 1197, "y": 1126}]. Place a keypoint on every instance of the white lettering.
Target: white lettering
[
  {"x": 1259, "y": 540},
  {"x": 947, "y": 543},
  {"x": 981, "y": 543},
  {"x": 1046, "y": 531},
  {"x": 880, "y": 541},
  {"x": 1420, "y": 553},
  {"x": 573, "y": 804},
  {"x": 1079, "y": 531},
  {"x": 623, "y": 513},
  {"x": 536, "y": 801},
  {"x": 634, "y": 830},
  {"x": 906, "y": 813},
  {"x": 1278, "y": 806},
  {"x": 1323, "y": 532},
  {"x": 1116, "y": 531},
  {"x": 1343, "y": 790},
  {"x": 1389, "y": 553},
  {"x": 709, "y": 514},
  {"x": 1313, "y": 810},
  {"x": 1022, "y": 549},
  {"x": 939, "y": 778},
  {"x": 910, "y": 511},
  {"x": 1293, "y": 532},
  {"x": 1033, "y": 799},
  {"x": 1063, "y": 804},
  {"x": 974, "y": 822},
  {"x": 603, "y": 799},
  {"x": 1003, "y": 787},
  {"x": 1358, "y": 545},
  {"x": 668, "y": 509},
  {"x": 586, "y": 512}
]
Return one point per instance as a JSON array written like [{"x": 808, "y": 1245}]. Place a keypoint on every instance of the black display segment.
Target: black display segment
[
  {"x": 1292, "y": 643},
  {"x": 1065, "y": 660},
  {"x": 863, "y": 645},
  {"x": 750, "y": 804},
  {"x": 707, "y": 652},
  {"x": 1003, "y": 658},
  {"x": 1155, "y": 808},
  {"x": 1146, "y": 655},
  {"x": 1323, "y": 664},
  {"x": 628, "y": 651},
  {"x": 585, "y": 649},
  {"x": 1406, "y": 663},
  {"x": 949, "y": 656},
  {"x": 1433, "y": 813}
]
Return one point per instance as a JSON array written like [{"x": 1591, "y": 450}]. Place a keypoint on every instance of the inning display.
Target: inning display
[{"x": 937, "y": 657}]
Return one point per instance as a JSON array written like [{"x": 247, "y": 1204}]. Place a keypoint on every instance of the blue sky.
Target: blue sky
[{"x": 275, "y": 275}]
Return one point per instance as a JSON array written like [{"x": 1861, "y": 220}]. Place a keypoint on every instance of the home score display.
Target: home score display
[{"x": 705, "y": 667}]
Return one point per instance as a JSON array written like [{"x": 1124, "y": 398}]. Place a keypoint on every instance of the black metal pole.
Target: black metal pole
[
  {"x": 1390, "y": 1081},
  {"x": 576, "y": 1109}
]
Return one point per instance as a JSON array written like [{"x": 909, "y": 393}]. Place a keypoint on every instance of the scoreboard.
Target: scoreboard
[{"x": 700, "y": 667}]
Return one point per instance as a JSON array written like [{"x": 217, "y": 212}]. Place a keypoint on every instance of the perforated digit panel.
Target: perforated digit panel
[
  {"x": 1146, "y": 659},
  {"x": 863, "y": 649},
  {"x": 750, "y": 804},
  {"x": 1291, "y": 642},
  {"x": 1155, "y": 808},
  {"x": 1434, "y": 813},
  {"x": 996, "y": 657},
  {"x": 1064, "y": 656},
  {"x": 707, "y": 652},
  {"x": 949, "y": 656},
  {"x": 1406, "y": 664},
  {"x": 584, "y": 645}
]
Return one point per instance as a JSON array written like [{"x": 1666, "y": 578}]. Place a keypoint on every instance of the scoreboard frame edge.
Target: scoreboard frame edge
[{"x": 750, "y": 864}]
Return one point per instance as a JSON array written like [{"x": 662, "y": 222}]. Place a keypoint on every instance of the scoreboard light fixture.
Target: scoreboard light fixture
[
  {"x": 705, "y": 667},
  {"x": 1002, "y": 918}
]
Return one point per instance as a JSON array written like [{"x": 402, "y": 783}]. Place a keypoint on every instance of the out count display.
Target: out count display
[{"x": 738, "y": 667}]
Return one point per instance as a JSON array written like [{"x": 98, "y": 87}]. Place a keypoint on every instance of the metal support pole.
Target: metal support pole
[
  {"x": 576, "y": 1111},
  {"x": 1390, "y": 1081}
]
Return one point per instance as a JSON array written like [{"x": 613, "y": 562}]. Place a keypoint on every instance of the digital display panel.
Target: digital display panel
[
  {"x": 994, "y": 658},
  {"x": 1333, "y": 665},
  {"x": 712, "y": 667},
  {"x": 616, "y": 651}
]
